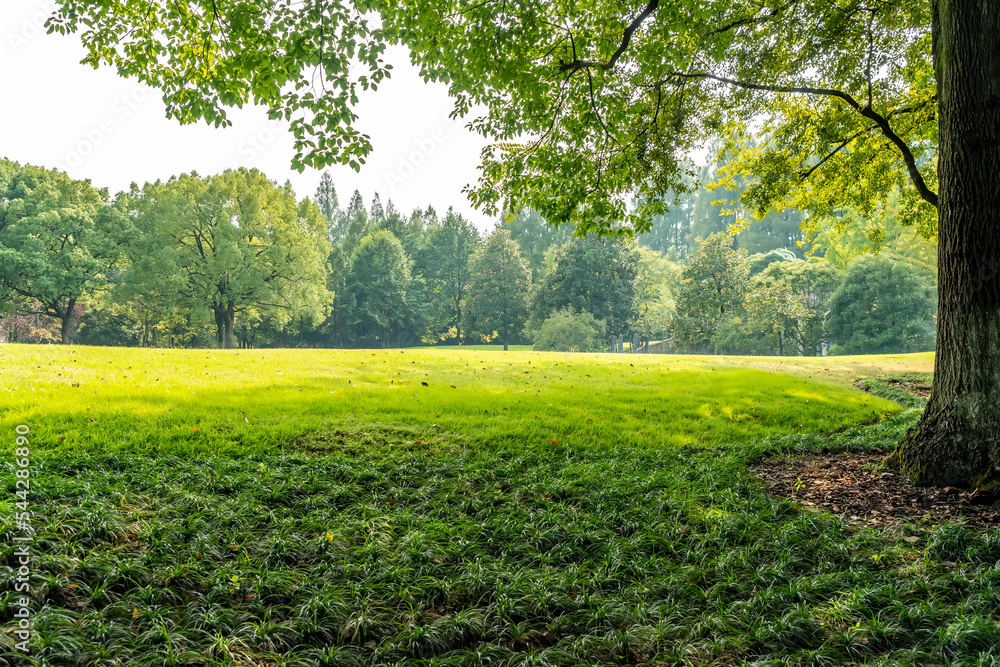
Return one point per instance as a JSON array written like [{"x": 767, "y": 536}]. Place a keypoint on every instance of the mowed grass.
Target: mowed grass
[
  {"x": 319, "y": 532},
  {"x": 257, "y": 401}
]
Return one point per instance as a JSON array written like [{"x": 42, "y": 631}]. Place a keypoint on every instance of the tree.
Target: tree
[
  {"x": 566, "y": 331},
  {"x": 337, "y": 277},
  {"x": 814, "y": 281},
  {"x": 534, "y": 236},
  {"x": 656, "y": 279},
  {"x": 356, "y": 224},
  {"x": 329, "y": 206},
  {"x": 379, "y": 281},
  {"x": 443, "y": 262},
  {"x": 591, "y": 274},
  {"x": 498, "y": 288},
  {"x": 59, "y": 238},
  {"x": 377, "y": 213},
  {"x": 606, "y": 97},
  {"x": 774, "y": 309},
  {"x": 714, "y": 288},
  {"x": 232, "y": 243},
  {"x": 882, "y": 306},
  {"x": 758, "y": 262}
]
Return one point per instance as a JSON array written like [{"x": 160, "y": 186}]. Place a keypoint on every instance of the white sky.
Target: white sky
[{"x": 94, "y": 124}]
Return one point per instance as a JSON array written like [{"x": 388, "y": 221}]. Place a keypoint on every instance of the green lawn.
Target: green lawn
[
  {"x": 270, "y": 507},
  {"x": 265, "y": 401}
]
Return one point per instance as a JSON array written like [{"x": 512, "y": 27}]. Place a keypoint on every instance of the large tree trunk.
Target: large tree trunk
[
  {"x": 220, "y": 324},
  {"x": 229, "y": 318},
  {"x": 66, "y": 323},
  {"x": 957, "y": 441}
]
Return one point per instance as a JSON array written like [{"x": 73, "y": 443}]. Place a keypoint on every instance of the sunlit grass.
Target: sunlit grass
[{"x": 253, "y": 401}]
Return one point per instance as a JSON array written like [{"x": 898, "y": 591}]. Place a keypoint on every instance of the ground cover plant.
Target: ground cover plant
[{"x": 279, "y": 507}]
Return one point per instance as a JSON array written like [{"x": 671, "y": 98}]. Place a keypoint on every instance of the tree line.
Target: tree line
[{"x": 235, "y": 260}]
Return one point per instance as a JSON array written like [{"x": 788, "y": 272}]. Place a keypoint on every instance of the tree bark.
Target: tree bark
[
  {"x": 229, "y": 317},
  {"x": 957, "y": 440},
  {"x": 220, "y": 324},
  {"x": 66, "y": 323}
]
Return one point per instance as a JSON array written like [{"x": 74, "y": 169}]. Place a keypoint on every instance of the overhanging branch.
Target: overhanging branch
[{"x": 926, "y": 193}]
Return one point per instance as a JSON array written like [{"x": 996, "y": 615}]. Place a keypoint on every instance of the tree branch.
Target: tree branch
[
  {"x": 626, "y": 39},
  {"x": 926, "y": 193},
  {"x": 843, "y": 144}
]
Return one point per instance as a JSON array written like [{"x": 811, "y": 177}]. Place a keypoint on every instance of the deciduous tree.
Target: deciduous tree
[
  {"x": 230, "y": 243},
  {"x": 58, "y": 240},
  {"x": 591, "y": 274},
  {"x": 498, "y": 288},
  {"x": 379, "y": 282},
  {"x": 443, "y": 262}
]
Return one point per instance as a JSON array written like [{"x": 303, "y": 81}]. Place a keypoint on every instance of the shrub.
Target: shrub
[{"x": 566, "y": 331}]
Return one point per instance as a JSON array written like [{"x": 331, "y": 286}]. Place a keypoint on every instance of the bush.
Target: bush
[{"x": 566, "y": 331}]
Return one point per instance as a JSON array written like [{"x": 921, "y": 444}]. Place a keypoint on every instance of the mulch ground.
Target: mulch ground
[{"x": 854, "y": 485}]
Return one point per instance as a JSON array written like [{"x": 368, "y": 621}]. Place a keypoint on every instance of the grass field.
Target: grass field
[{"x": 272, "y": 507}]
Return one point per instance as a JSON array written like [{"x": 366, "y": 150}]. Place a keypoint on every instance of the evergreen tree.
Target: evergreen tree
[
  {"x": 376, "y": 214},
  {"x": 329, "y": 206},
  {"x": 356, "y": 223}
]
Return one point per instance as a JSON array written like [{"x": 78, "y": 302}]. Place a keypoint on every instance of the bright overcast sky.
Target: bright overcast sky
[{"x": 94, "y": 124}]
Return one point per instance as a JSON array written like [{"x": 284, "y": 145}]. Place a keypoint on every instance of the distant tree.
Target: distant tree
[
  {"x": 669, "y": 232},
  {"x": 567, "y": 331},
  {"x": 815, "y": 281},
  {"x": 59, "y": 238},
  {"x": 338, "y": 285},
  {"x": 443, "y": 262},
  {"x": 714, "y": 288},
  {"x": 534, "y": 236},
  {"x": 498, "y": 288},
  {"x": 379, "y": 282},
  {"x": 376, "y": 214},
  {"x": 329, "y": 206},
  {"x": 232, "y": 243},
  {"x": 29, "y": 328},
  {"x": 656, "y": 280},
  {"x": 774, "y": 309},
  {"x": 882, "y": 306},
  {"x": 357, "y": 224},
  {"x": 761, "y": 260},
  {"x": 591, "y": 274}
]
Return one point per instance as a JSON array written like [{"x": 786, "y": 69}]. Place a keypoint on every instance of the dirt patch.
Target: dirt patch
[
  {"x": 855, "y": 486},
  {"x": 914, "y": 387}
]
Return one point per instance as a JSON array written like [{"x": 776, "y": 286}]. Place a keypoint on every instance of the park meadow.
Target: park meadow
[{"x": 461, "y": 507}]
